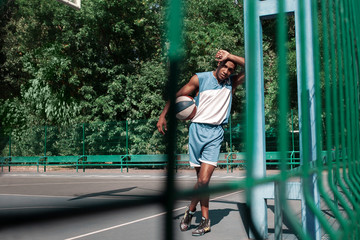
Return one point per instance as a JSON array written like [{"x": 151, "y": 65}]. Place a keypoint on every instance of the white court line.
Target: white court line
[
  {"x": 52, "y": 196},
  {"x": 54, "y": 183},
  {"x": 37, "y": 196},
  {"x": 39, "y": 207},
  {"x": 72, "y": 183},
  {"x": 141, "y": 219}
]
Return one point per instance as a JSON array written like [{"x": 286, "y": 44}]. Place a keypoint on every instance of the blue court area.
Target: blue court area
[{"x": 95, "y": 205}]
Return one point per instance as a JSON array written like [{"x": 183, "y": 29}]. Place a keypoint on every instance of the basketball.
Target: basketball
[{"x": 185, "y": 108}]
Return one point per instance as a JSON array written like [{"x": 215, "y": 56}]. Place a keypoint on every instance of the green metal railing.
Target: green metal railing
[{"x": 118, "y": 138}]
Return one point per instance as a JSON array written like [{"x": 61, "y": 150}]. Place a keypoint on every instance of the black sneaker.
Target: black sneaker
[
  {"x": 186, "y": 220},
  {"x": 203, "y": 228}
]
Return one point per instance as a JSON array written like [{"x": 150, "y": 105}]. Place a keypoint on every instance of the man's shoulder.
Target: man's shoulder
[{"x": 204, "y": 74}]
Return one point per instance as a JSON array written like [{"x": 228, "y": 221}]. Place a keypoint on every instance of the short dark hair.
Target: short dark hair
[{"x": 222, "y": 63}]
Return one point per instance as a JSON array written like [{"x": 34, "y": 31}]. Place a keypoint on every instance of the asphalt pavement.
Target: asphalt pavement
[{"x": 114, "y": 205}]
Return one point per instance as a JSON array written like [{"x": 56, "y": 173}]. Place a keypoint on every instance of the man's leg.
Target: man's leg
[
  {"x": 190, "y": 210},
  {"x": 195, "y": 200},
  {"x": 204, "y": 174}
]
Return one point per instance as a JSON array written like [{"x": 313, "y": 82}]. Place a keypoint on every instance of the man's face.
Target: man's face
[{"x": 224, "y": 70}]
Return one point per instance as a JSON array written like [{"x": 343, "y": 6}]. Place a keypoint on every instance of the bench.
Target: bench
[
  {"x": 103, "y": 160},
  {"x": 63, "y": 161},
  {"x": 43, "y": 161},
  {"x": 232, "y": 159},
  {"x": 23, "y": 161},
  {"x": 274, "y": 158},
  {"x": 235, "y": 159},
  {"x": 182, "y": 160},
  {"x": 5, "y": 162},
  {"x": 148, "y": 160},
  {"x": 292, "y": 157}
]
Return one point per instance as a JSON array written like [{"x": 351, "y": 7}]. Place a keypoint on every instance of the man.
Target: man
[{"x": 214, "y": 92}]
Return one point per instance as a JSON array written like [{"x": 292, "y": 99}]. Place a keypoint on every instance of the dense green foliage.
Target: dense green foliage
[
  {"x": 107, "y": 62},
  {"x": 75, "y": 66}
]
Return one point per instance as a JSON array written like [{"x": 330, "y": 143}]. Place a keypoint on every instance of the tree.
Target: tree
[{"x": 108, "y": 61}]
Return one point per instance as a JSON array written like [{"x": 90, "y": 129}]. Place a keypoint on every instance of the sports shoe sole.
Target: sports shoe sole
[{"x": 200, "y": 234}]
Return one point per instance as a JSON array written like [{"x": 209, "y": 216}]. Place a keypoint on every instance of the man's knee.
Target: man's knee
[
  {"x": 203, "y": 181},
  {"x": 205, "y": 175}
]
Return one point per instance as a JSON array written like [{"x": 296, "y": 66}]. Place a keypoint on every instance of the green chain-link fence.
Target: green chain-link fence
[{"x": 328, "y": 37}]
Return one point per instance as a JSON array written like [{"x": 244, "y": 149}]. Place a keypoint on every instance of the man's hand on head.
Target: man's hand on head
[{"x": 221, "y": 55}]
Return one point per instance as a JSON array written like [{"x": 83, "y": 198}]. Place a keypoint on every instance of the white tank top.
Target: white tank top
[{"x": 213, "y": 101}]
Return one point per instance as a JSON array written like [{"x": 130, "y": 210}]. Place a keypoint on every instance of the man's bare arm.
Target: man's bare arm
[
  {"x": 223, "y": 55},
  {"x": 187, "y": 89}
]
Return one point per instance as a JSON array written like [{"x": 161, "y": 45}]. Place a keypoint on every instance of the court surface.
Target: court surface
[{"x": 86, "y": 206}]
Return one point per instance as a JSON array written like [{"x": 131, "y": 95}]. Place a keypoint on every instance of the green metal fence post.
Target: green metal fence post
[
  {"x": 45, "y": 140},
  {"x": 312, "y": 216},
  {"x": 292, "y": 136},
  {"x": 255, "y": 136},
  {"x": 176, "y": 54},
  {"x": 9, "y": 168},
  {"x": 231, "y": 150},
  {"x": 127, "y": 138},
  {"x": 45, "y": 135},
  {"x": 9, "y": 151},
  {"x": 83, "y": 149},
  {"x": 127, "y": 143},
  {"x": 280, "y": 188},
  {"x": 10, "y": 145},
  {"x": 83, "y": 136}
]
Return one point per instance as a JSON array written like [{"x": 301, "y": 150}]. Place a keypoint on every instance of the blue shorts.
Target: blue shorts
[{"x": 204, "y": 143}]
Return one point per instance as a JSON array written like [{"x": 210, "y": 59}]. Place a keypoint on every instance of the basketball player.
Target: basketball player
[{"x": 213, "y": 98}]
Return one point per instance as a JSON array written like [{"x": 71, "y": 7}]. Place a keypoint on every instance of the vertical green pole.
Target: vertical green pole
[
  {"x": 230, "y": 145},
  {"x": 10, "y": 145},
  {"x": 280, "y": 187},
  {"x": 255, "y": 119},
  {"x": 230, "y": 128},
  {"x": 311, "y": 215},
  {"x": 127, "y": 142},
  {"x": 83, "y": 149},
  {"x": 45, "y": 148},
  {"x": 83, "y": 135},
  {"x": 292, "y": 138},
  {"x": 45, "y": 130},
  {"x": 83, "y": 162},
  {"x": 175, "y": 53},
  {"x": 292, "y": 128},
  {"x": 127, "y": 137},
  {"x": 9, "y": 149}
]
